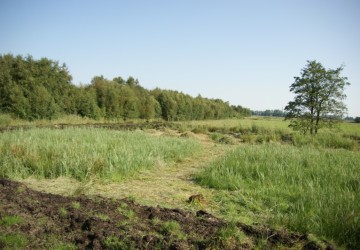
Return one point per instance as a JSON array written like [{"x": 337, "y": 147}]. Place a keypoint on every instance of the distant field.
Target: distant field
[
  {"x": 273, "y": 123},
  {"x": 350, "y": 128},
  {"x": 268, "y": 122}
]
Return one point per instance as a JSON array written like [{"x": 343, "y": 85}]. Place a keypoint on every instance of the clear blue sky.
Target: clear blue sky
[{"x": 244, "y": 52}]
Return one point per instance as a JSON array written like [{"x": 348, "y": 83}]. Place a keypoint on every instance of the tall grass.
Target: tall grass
[
  {"x": 86, "y": 153},
  {"x": 326, "y": 139},
  {"x": 308, "y": 189}
]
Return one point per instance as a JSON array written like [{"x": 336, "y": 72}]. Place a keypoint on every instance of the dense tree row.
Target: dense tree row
[
  {"x": 42, "y": 89},
  {"x": 268, "y": 112}
]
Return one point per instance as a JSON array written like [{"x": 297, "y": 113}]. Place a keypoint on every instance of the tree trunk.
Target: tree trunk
[
  {"x": 317, "y": 121},
  {"x": 312, "y": 120}
]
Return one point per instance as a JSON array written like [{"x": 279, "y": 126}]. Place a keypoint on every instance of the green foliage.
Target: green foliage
[
  {"x": 307, "y": 189},
  {"x": 32, "y": 89},
  {"x": 357, "y": 119},
  {"x": 176, "y": 106},
  {"x": 41, "y": 89},
  {"x": 86, "y": 153},
  {"x": 318, "y": 101},
  {"x": 86, "y": 105}
]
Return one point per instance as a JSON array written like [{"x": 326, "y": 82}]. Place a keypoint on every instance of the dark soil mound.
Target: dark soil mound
[{"x": 33, "y": 220}]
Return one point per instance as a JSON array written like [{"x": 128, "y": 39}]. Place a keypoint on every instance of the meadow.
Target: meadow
[
  {"x": 306, "y": 189},
  {"x": 253, "y": 170},
  {"x": 82, "y": 153}
]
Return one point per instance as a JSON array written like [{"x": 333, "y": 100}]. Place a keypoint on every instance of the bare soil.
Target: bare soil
[{"x": 49, "y": 221}]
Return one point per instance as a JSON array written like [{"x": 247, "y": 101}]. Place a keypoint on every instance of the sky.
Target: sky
[{"x": 244, "y": 52}]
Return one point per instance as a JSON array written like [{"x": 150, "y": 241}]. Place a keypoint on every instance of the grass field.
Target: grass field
[
  {"x": 304, "y": 188},
  {"x": 265, "y": 123},
  {"x": 254, "y": 170},
  {"x": 87, "y": 153}
]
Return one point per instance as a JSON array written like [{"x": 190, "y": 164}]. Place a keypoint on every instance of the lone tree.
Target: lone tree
[{"x": 318, "y": 101}]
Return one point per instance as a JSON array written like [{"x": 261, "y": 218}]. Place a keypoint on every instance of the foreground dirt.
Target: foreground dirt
[{"x": 52, "y": 221}]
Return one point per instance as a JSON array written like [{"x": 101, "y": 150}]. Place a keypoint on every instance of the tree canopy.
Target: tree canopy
[
  {"x": 319, "y": 93},
  {"x": 42, "y": 89}
]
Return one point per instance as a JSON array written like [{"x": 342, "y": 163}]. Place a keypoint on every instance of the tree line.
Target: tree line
[
  {"x": 268, "y": 112},
  {"x": 43, "y": 89}
]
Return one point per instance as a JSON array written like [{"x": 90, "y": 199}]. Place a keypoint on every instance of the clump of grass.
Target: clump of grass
[
  {"x": 113, "y": 242},
  {"x": 308, "y": 189},
  {"x": 63, "y": 212},
  {"x": 155, "y": 221},
  {"x": 126, "y": 211},
  {"x": 230, "y": 237},
  {"x": 200, "y": 130},
  {"x": 10, "y": 220},
  {"x": 13, "y": 241},
  {"x": 103, "y": 217},
  {"x": 173, "y": 228},
  {"x": 223, "y": 139},
  {"x": 86, "y": 154},
  {"x": 76, "y": 205},
  {"x": 55, "y": 242}
]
